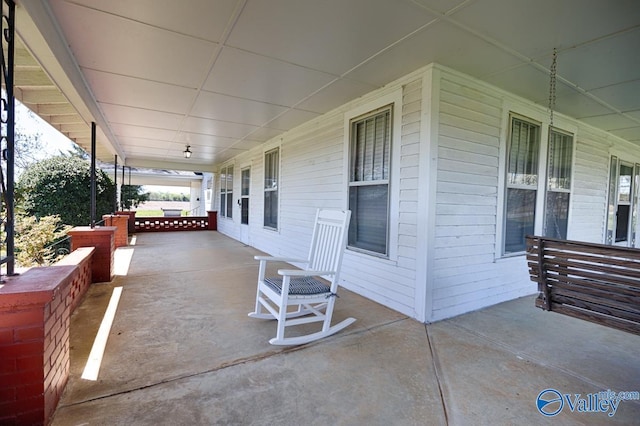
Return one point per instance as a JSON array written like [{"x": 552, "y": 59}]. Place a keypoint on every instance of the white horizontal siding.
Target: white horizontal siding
[
  {"x": 589, "y": 195},
  {"x": 464, "y": 268},
  {"x": 313, "y": 175},
  {"x": 465, "y": 271},
  {"x": 392, "y": 282}
]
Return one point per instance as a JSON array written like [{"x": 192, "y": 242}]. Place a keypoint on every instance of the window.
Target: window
[
  {"x": 533, "y": 183},
  {"x": 622, "y": 215},
  {"x": 558, "y": 184},
  {"x": 271, "y": 171},
  {"x": 226, "y": 192},
  {"x": 522, "y": 183},
  {"x": 370, "y": 147},
  {"x": 244, "y": 196}
]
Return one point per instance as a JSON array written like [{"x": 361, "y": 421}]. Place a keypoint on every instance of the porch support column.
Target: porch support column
[
  {"x": 115, "y": 183},
  {"x": 93, "y": 175},
  {"x": 9, "y": 104}
]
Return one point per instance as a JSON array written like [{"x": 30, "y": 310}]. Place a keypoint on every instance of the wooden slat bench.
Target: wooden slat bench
[{"x": 594, "y": 282}]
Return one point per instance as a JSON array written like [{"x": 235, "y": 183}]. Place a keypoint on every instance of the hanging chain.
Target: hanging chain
[{"x": 552, "y": 85}]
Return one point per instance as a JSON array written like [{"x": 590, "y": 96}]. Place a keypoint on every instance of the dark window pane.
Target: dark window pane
[
  {"x": 368, "y": 229},
  {"x": 557, "y": 214},
  {"x": 246, "y": 180},
  {"x": 520, "y": 214},
  {"x": 622, "y": 220},
  {"x": 522, "y": 166},
  {"x": 229, "y": 204},
  {"x": 271, "y": 209},
  {"x": 244, "y": 211}
]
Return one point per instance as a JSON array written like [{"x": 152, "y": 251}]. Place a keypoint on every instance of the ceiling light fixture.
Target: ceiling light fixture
[{"x": 187, "y": 152}]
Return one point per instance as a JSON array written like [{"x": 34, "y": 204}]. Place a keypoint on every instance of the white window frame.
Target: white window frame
[
  {"x": 226, "y": 190},
  {"x": 275, "y": 189},
  {"x": 393, "y": 99},
  {"x": 559, "y": 190},
  {"x": 246, "y": 196},
  {"x": 627, "y": 157},
  {"x": 541, "y": 116}
]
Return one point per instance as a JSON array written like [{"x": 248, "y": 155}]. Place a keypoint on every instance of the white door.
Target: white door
[
  {"x": 622, "y": 220},
  {"x": 245, "y": 181}
]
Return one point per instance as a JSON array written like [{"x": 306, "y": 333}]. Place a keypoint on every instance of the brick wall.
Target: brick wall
[
  {"x": 103, "y": 239},
  {"x": 121, "y": 222},
  {"x": 35, "y": 309}
]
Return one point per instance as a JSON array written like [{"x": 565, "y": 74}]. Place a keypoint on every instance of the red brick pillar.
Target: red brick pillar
[
  {"x": 132, "y": 219},
  {"x": 103, "y": 239},
  {"x": 121, "y": 222},
  {"x": 34, "y": 343},
  {"x": 213, "y": 220}
]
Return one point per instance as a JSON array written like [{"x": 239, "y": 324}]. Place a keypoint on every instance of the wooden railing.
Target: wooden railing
[{"x": 594, "y": 282}]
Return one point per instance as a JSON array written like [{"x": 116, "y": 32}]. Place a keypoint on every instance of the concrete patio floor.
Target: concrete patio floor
[{"x": 182, "y": 351}]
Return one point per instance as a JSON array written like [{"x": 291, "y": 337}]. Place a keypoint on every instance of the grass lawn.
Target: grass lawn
[{"x": 154, "y": 213}]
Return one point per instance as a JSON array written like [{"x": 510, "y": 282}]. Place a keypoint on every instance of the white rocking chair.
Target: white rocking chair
[{"x": 314, "y": 298}]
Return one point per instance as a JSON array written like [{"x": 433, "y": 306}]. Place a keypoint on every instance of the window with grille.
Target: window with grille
[
  {"x": 226, "y": 192},
  {"x": 559, "y": 160},
  {"x": 370, "y": 148},
  {"x": 522, "y": 183},
  {"x": 534, "y": 183},
  {"x": 271, "y": 174}
]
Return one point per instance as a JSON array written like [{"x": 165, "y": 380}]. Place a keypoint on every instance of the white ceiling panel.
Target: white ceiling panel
[
  {"x": 441, "y": 42},
  {"x": 610, "y": 122},
  {"x": 204, "y": 140},
  {"x": 526, "y": 81},
  {"x": 127, "y": 130},
  {"x": 631, "y": 133},
  {"x": 533, "y": 28},
  {"x": 263, "y": 134},
  {"x": 442, "y": 6},
  {"x": 245, "y": 145},
  {"x": 217, "y": 127},
  {"x": 573, "y": 102},
  {"x": 278, "y": 82},
  {"x": 135, "y": 92},
  {"x": 227, "y": 75},
  {"x": 235, "y": 110},
  {"x": 596, "y": 64},
  {"x": 634, "y": 115},
  {"x": 122, "y": 46},
  {"x": 331, "y": 36},
  {"x": 338, "y": 92},
  {"x": 624, "y": 95},
  {"x": 291, "y": 118},
  {"x": 205, "y": 19},
  {"x": 142, "y": 117}
]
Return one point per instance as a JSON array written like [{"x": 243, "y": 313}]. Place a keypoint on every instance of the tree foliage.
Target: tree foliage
[
  {"x": 167, "y": 196},
  {"x": 35, "y": 239},
  {"x": 132, "y": 196},
  {"x": 62, "y": 186}
]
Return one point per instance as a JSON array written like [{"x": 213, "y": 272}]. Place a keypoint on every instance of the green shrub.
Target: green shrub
[
  {"x": 34, "y": 238},
  {"x": 62, "y": 186}
]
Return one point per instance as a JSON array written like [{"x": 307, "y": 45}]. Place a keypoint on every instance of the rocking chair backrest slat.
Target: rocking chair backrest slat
[{"x": 329, "y": 240}]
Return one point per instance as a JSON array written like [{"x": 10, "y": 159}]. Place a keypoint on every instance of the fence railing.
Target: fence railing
[{"x": 166, "y": 224}]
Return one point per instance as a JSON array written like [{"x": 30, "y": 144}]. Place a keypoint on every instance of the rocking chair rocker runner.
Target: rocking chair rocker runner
[{"x": 314, "y": 298}]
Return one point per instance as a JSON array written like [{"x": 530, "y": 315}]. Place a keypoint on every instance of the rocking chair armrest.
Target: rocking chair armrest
[
  {"x": 280, "y": 259},
  {"x": 304, "y": 273}
]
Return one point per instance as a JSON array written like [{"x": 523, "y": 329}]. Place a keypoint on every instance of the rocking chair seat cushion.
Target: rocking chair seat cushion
[{"x": 299, "y": 285}]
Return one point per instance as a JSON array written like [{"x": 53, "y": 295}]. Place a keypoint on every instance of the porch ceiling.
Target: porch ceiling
[{"x": 224, "y": 76}]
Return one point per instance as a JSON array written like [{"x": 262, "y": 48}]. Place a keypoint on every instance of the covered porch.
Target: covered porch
[{"x": 181, "y": 350}]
